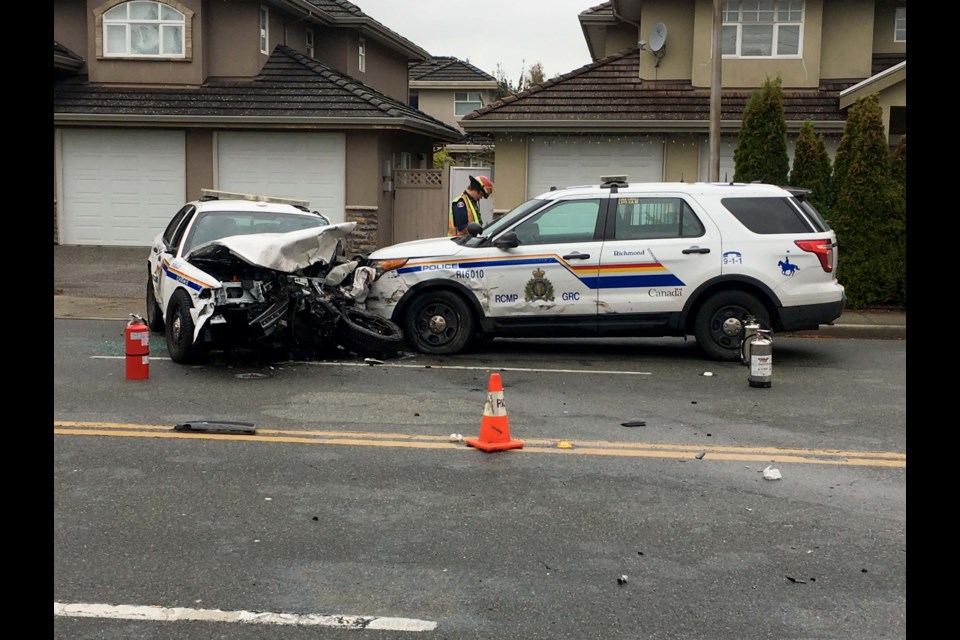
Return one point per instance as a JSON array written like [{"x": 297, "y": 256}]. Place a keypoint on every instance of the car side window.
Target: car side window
[
  {"x": 170, "y": 235},
  {"x": 565, "y": 222},
  {"x": 650, "y": 218},
  {"x": 767, "y": 215}
]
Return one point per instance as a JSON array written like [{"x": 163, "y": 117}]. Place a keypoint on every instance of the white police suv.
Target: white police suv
[{"x": 619, "y": 259}]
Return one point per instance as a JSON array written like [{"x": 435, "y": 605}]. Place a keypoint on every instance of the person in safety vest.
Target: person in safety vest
[{"x": 466, "y": 208}]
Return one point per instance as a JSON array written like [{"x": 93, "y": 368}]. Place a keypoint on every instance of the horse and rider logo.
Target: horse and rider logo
[
  {"x": 786, "y": 268},
  {"x": 538, "y": 288}
]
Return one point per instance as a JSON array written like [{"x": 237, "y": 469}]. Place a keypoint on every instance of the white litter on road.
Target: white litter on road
[
  {"x": 771, "y": 474},
  {"x": 176, "y": 614}
]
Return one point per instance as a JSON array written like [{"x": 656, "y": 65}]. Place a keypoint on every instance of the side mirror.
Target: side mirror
[
  {"x": 508, "y": 240},
  {"x": 474, "y": 229}
]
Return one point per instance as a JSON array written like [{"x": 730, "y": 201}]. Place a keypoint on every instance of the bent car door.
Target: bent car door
[
  {"x": 552, "y": 273},
  {"x": 659, "y": 248}
]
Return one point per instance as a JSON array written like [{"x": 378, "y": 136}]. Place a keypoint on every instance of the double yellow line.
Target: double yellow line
[{"x": 531, "y": 445}]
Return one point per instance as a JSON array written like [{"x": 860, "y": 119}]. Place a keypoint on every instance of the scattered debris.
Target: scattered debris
[
  {"x": 456, "y": 437},
  {"x": 250, "y": 376},
  {"x": 214, "y": 426},
  {"x": 564, "y": 444},
  {"x": 796, "y": 580},
  {"x": 416, "y": 414},
  {"x": 372, "y": 361},
  {"x": 771, "y": 474},
  {"x": 708, "y": 374},
  {"x": 639, "y": 553},
  {"x": 622, "y": 580},
  {"x": 701, "y": 454},
  {"x": 635, "y": 423}
]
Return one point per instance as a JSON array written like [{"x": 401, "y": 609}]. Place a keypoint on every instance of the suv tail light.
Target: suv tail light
[{"x": 822, "y": 248}]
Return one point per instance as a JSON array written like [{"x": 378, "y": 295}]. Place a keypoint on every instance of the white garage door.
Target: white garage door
[
  {"x": 305, "y": 166},
  {"x": 563, "y": 161},
  {"x": 119, "y": 187}
]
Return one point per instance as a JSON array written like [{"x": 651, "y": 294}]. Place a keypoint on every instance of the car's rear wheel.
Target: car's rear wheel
[
  {"x": 154, "y": 313},
  {"x": 719, "y": 323},
  {"x": 368, "y": 335},
  {"x": 439, "y": 322},
  {"x": 180, "y": 328}
]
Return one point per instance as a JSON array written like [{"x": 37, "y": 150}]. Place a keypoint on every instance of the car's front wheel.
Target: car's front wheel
[
  {"x": 718, "y": 326},
  {"x": 180, "y": 330},
  {"x": 439, "y": 322},
  {"x": 154, "y": 313},
  {"x": 368, "y": 335}
]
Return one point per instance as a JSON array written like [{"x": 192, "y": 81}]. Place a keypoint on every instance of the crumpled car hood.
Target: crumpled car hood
[{"x": 286, "y": 252}]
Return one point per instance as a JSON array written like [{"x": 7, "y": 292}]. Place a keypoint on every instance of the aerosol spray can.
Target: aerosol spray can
[{"x": 761, "y": 360}]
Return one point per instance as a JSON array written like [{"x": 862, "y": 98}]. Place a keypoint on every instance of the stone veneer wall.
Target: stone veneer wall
[{"x": 363, "y": 240}]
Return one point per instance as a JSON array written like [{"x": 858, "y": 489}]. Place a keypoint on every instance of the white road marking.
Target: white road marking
[
  {"x": 176, "y": 614},
  {"x": 434, "y": 366}
]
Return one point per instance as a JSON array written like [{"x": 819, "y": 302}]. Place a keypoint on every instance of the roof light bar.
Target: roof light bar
[{"x": 229, "y": 195}]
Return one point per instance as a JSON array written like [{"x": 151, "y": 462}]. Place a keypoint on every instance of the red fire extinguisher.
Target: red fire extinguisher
[{"x": 138, "y": 348}]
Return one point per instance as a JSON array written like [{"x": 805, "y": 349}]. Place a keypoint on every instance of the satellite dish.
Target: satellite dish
[{"x": 658, "y": 37}]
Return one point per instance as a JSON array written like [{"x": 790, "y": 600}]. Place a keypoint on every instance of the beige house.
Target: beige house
[
  {"x": 642, "y": 108},
  {"x": 448, "y": 89},
  {"x": 155, "y": 100}
]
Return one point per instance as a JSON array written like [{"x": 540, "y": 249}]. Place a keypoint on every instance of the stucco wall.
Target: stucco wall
[
  {"x": 439, "y": 104},
  {"x": 70, "y": 26},
  {"x": 199, "y": 162},
  {"x": 678, "y": 51},
  {"x": 847, "y": 39},
  {"x": 884, "y": 22},
  {"x": 510, "y": 177},
  {"x": 681, "y": 158}
]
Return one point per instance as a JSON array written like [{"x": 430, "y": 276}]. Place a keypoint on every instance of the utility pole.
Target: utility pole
[{"x": 716, "y": 65}]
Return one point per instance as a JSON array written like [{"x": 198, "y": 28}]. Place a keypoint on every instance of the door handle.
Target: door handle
[
  {"x": 696, "y": 250},
  {"x": 576, "y": 256}
]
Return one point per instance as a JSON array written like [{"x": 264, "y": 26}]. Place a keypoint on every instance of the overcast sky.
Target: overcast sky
[{"x": 512, "y": 33}]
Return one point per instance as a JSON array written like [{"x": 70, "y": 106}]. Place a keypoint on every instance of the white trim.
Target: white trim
[
  {"x": 896, "y": 19},
  {"x": 880, "y": 76},
  {"x": 310, "y": 39},
  {"x": 264, "y": 29},
  {"x": 362, "y": 55}
]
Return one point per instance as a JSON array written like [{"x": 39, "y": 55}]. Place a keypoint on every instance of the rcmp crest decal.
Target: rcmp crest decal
[{"x": 538, "y": 288}]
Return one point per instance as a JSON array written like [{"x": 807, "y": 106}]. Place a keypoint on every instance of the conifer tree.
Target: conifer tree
[
  {"x": 868, "y": 213},
  {"x": 761, "y": 153},
  {"x": 811, "y": 167}
]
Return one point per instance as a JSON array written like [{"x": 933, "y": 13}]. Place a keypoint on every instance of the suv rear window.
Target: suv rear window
[{"x": 768, "y": 215}]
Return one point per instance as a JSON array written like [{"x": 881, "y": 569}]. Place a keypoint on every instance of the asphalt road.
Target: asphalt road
[{"x": 351, "y": 500}]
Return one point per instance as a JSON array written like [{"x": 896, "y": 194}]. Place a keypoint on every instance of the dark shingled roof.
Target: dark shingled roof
[
  {"x": 447, "y": 69},
  {"x": 337, "y": 7},
  {"x": 610, "y": 89},
  {"x": 606, "y": 8},
  {"x": 64, "y": 58},
  {"x": 290, "y": 85}
]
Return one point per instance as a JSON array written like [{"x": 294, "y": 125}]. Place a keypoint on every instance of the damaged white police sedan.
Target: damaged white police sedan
[{"x": 237, "y": 271}]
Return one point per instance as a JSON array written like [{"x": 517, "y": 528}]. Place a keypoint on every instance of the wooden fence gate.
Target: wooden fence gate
[{"x": 420, "y": 206}]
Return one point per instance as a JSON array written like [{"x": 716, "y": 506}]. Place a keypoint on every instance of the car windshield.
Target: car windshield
[
  {"x": 216, "y": 225},
  {"x": 506, "y": 221}
]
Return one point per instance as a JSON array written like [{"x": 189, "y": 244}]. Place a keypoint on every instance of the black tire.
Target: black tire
[
  {"x": 719, "y": 323},
  {"x": 368, "y": 335},
  {"x": 439, "y": 322},
  {"x": 154, "y": 312},
  {"x": 179, "y": 331}
]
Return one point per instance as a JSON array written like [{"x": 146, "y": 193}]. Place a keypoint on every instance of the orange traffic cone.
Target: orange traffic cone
[{"x": 494, "y": 427}]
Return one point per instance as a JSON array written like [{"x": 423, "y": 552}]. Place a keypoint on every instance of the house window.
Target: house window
[
  {"x": 466, "y": 101},
  {"x": 762, "y": 28},
  {"x": 900, "y": 25},
  {"x": 414, "y": 99},
  {"x": 406, "y": 160},
  {"x": 264, "y": 30},
  {"x": 362, "y": 54},
  {"x": 310, "y": 49},
  {"x": 144, "y": 29}
]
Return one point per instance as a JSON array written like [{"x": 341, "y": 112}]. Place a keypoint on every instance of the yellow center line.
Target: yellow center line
[{"x": 532, "y": 445}]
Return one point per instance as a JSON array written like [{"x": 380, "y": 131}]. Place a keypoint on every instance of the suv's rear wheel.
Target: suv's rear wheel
[
  {"x": 439, "y": 322},
  {"x": 180, "y": 329},
  {"x": 719, "y": 323},
  {"x": 154, "y": 313}
]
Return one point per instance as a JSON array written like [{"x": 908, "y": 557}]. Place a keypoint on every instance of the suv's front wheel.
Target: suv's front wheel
[
  {"x": 439, "y": 322},
  {"x": 719, "y": 323}
]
